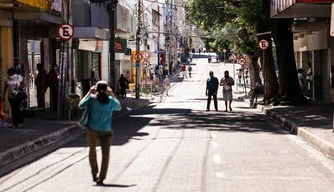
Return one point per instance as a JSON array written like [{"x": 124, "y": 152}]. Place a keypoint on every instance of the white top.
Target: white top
[{"x": 13, "y": 83}]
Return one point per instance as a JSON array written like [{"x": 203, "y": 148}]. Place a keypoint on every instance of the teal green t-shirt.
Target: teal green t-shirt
[{"x": 100, "y": 115}]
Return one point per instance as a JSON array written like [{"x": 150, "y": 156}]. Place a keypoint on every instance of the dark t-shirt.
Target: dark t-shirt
[{"x": 212, "y": 85}]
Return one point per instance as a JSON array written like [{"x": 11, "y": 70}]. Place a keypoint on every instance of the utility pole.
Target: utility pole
[
  {"x": 64, "y": 66},
  {"x": 139, "y": 25},
  {"x": 167, "y": 39},
  {"x": 170, "y": 37}
]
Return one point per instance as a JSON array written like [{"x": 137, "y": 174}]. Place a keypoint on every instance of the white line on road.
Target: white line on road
[
  {"x": 215, "y": 145},
  {"x": 217, "y": 159}
]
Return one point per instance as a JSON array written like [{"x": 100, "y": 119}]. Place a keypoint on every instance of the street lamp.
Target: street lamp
[{"x": 111, "y": 6}]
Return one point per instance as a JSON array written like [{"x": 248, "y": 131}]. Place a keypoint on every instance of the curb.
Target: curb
[
  {"x": 31, "y": 146},
  {"x": 322, "y": 145},
  {"x": 34, "y": 145}
]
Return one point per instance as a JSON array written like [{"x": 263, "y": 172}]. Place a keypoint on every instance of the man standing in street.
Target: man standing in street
[
  {"x": 212, "y": 86},
  {"x": 227, "y": 82}
]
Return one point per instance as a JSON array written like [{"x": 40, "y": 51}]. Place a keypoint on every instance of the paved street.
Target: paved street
[{"x": 175, "y": 145}]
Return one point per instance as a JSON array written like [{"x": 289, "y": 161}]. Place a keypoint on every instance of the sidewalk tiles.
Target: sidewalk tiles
[{"x": 311, "y": 122}]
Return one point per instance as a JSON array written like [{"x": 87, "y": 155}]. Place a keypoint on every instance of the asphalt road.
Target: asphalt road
[{"x": 175, "y": 145}]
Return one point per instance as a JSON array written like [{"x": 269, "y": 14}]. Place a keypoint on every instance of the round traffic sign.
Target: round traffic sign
[
  {"x": 66, "y": 32},
  {"x": 146, "y": 63},
  {"x": 224, "y": 50},
  {"x": 145, "y": 55},
  {"x": 263, "y": 44},
  {"x": 138, "y": 57}
]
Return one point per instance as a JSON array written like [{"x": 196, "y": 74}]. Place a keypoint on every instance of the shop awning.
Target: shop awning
[
  {"x": 300, "y": 9},
  {"x": 42, "y": 16},
  {"x": 91, "y": 33}
]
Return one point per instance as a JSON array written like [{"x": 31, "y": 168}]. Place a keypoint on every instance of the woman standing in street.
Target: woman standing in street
[
  {"x": 102, "y": 102},
  {"x": 14, "y": 84}
]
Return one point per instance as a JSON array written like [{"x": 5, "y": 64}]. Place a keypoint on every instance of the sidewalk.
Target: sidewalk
[
  {"x": 311, "y": 122},
  {"x": 38, "y": 133}
]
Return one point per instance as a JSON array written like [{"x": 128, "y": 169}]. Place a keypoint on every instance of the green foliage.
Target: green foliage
[{"x": 234, "y": 22}]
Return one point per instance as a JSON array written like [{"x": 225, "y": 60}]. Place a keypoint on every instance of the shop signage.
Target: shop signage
[
  {"x": 99, "y": 46},
  {"x": 123, "y": 18},
  {"x": 120, "y": 45},
  {"x": 42, "y": 4}
]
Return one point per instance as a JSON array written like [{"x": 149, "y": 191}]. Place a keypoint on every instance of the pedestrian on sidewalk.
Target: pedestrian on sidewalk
[
  {"x": 102, "y": 102},
  {"x": 227, "y": 82},
  {"x": 212, "y": 86},
  {"x": 123, "y": 82},
  {"x": 41, "y": 85},
  {"x": 190, "y": 69},
  {"x": 53, "y": 83},
  {"x": 166, "y": 84},
  {"x": 301, "y": 79},
  {"x": 14, "y": 84},
  {"x": 184, "y": 72},
  {"x": 93, "y": 79}
]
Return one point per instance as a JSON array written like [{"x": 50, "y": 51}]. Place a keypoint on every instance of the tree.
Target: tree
[
  {"x": 236, "y": 14},
  {"x": 252, "y": 17},
  {"x": 289, "y": 85}
]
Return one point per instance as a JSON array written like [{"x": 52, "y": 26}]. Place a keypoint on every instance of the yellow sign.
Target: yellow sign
[{"x": 42, "y": 4}]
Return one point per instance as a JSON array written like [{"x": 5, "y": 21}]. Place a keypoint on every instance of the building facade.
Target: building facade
[{"x": 312, "y": 41}]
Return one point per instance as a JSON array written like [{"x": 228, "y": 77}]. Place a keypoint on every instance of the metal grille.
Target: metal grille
[
  {"x": 78, "y": 66},
  {"x": 95, "y": 64}
]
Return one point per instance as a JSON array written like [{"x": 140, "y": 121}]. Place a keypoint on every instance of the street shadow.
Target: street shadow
[
  {"x": 219, "y": 98},
  {"x": 116, "y": 185},
  {"x": 318, "y": 116},
  {"x": 219, "y": 121}
]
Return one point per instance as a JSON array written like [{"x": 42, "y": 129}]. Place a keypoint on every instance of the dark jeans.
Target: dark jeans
[
  {"x": 54, "y": 98},
  {"x": 105, "y": 139},
  {"x": 40, "y": 97},
  {"x": 123, "y": 90},
  {"x": 214, "y": 100},
  {"x": 17, "y": 114}
]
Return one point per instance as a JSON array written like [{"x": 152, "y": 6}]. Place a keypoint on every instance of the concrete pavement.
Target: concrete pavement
[
  {"x": 313, "y": 123},
  {"x": 177, "y": 146}
]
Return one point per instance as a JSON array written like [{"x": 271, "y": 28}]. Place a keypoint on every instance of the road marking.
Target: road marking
[
  {"x": 217, "y": 159},
  {"x": 219, "y": 174},
  {"x": 213, "y": 135},
  {"x": 215, "y": 145}
]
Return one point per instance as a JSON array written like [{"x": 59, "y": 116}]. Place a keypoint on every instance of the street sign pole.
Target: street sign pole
[{"x": 138, "y": 47}]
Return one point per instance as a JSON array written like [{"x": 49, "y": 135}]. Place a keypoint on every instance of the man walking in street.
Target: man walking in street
[
  {"x": 227, "y": 82},
  {"x": 212, "y": 86}
]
